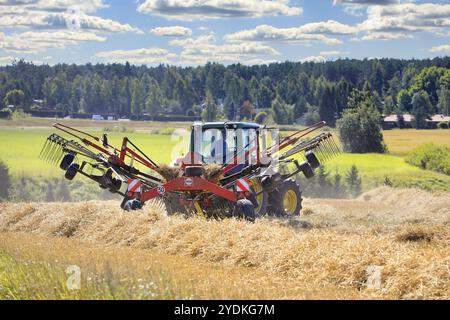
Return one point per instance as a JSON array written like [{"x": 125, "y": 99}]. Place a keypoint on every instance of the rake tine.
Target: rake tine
[
  {"x": 327, "y": 151},
  {"x": 43, "y": 148},
  {"x": 49, "y": 151},
  {"x": 330, "y": 147},
  {"x": 337, "y": 147},
  {"x": 54, "y": 156},
  {"x": 48, "y": 147},
  {"x": 324, "y": 152}
]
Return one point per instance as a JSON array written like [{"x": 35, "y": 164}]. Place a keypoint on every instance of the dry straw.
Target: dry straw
[{"x": 406, "y": 232}]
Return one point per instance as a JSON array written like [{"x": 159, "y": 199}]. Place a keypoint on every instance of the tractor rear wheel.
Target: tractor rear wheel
[
  {"x": 287, "y": 199},
  {"x": 244, "y": 209}
]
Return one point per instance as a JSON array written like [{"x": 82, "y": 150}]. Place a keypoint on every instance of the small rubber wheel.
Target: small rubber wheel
[
  {"x": 244, "y": 209},
  {"x": 307, "y": 170},
  {"x": 72, "y": 171},
  {"x": 132, "y": 205},
  {"x": 312, "y": 159},
  {"x": 66, "y": 161}
]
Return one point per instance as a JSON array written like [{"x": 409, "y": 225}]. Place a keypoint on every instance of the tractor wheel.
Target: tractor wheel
[
  {"x": 72, "y": 171},
  {"x": 66, "y": 161},
  {"x": 287, "y": 200},
  {"x": 259, "y": 201},
  {"x": 244, "y": 209},
  {"x": 312, "y": 159}
]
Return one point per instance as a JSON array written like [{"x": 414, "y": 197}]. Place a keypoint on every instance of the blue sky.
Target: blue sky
[{"x": 192, "y": 32}]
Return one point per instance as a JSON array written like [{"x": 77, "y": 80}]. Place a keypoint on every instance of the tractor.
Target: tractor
[{"x": 232, "y": 169}]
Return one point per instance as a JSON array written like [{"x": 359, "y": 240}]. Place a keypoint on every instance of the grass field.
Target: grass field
[{"x": 21, "y": 143}]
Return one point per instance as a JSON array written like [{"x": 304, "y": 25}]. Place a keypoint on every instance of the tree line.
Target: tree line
[{"x": 284, "y": 92}]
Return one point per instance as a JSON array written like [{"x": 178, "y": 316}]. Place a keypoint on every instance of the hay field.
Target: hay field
[{"x": 324, "y": 254}]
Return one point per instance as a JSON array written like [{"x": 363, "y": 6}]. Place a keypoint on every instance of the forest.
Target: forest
[{"x": 286, "y": 92}]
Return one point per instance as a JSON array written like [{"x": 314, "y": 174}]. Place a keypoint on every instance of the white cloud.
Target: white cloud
[
  {"x": 356, "y": 7},
  {"x": 316, "y": 59},
  {"x": 32, "y": 42},
  {"x": 174, "y": 31},
  {"x": 311, "y": 32},
  {"x": 137, "y": 56},
  {"x": 386, "y": 36},
  {"x": 55, "y": 24},
  {"x": 402, "y": 20},
  {"x": 63, "y": 20},
  {"x": 334, "y": 53},
  {"x": 444, "y": 49},
  {"x": 52, "y": 5},
  {"x": 203, "y": 49},
  {"x": 213, "y": 9},
  {"x": 6, "y": 60}
]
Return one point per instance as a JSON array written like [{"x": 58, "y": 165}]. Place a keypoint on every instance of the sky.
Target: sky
[{"x": 193, "y": 32}]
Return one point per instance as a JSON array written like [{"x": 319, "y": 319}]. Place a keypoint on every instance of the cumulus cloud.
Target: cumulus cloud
[
  {"x": 137, "y": 56},
  {"x": 442, "y": 49},
  {"x": 402, "y": 20},
  {"x": 33, "y": 42},
  {"x": 203, "y": 49},
  {"x": 6, "y": 60},
  {"x": 311, "y": 32},
  {"x": 316, "y": 59},
  {"x": 356, "y": 7},
  {"x": 214, "y": 9},
  {"x": 174, "y": 31},
  {"x": 64, "y": 22},
  {"x": 52, "y": 5},
  {"x": 366, "y": 2},
  {"x": 334, "y": 53}
]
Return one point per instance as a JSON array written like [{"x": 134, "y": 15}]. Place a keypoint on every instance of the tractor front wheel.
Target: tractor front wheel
[{"x": 287, "y": 199}]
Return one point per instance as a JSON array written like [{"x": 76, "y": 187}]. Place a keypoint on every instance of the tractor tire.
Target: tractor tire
[
  {"x": 312, "y": 159},
  {"x": 244, "y": 209},
  {"x": 72, "y": 171},
  {"x": 260, "y": 201},
  {"x": 286, "y": 200},
  {"x": 307, "y": 170},
  {"x": 66, "y": 161}
]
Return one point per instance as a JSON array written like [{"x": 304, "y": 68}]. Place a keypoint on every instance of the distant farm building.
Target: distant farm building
[{"x": 405, "y": 121}]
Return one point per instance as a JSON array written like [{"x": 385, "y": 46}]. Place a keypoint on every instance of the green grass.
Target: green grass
[
  {"x": 375, "y": 167},
  {"x": 20, "y": 149},
  {"x": 39, "y": 280},
  {"x": 21, "y": 146}
]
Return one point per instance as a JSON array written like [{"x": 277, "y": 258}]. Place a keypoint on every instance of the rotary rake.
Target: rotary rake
[{"x": 229, "y": 169}]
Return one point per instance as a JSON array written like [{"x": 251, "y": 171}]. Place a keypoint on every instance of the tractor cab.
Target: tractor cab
[{"x": 233, "y": 144}]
